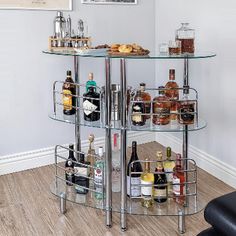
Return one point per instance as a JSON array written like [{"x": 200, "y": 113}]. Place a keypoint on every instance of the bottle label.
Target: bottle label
[
  {"x": 133, "y": 191},
  {"x": 98, "y": 175},
  {"x": 67, "y": 99},
  {"x": 160, "y": 193},
  {"x": 162, "y": 113},
  {"x": 146, "y": 191},
  {"x": 176, "y": 188},
  {"x": 136, "y": 116},
  {"x": 185, "y": 34},
  {"x": 81, "y": 171},
  {"x": 186, "y": 112},
  {"x": 89, "y": 107},
  {"x": 170, "y": 175}
]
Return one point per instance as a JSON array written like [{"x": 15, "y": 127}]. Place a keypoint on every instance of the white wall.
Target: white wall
[
  {"x": 27, "y": 74},
  {"x": 214, "y": 78}
]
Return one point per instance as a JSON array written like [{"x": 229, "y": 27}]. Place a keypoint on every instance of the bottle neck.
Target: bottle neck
[
  {"x": 134, "y": 152},
  {"x": 147, "y": 167},
  {"x": 116, "y": 142}
]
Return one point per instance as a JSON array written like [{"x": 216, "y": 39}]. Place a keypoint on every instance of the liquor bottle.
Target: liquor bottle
[
  {"x": 134, "y": 191},
  {"x": 99, "y": 174},
  {"x": 91, "y": 105},
  {"x": 138, "y": 109},
  {"x": 69, "y": 167},
  {"x": 169, "y": 165},
  {"x": 91, "y": 154},
  {"x": 147, "y": 178},
  {"x": 160, "y": 192},
  {"x": 178, "y": 181},
  {"x": 81, "y": 175},
  {"x": 147, "y": 99},
  {"x": 90, "y": 82},
  {"x": 69, "y": 89},
  {"x": 172, "y": 93},
  {"x": 186, "y": 36},
  {"x": 161, "y": 108},
  {"x": 186, "y": 109},
  {"x": 116, "y": 164}
]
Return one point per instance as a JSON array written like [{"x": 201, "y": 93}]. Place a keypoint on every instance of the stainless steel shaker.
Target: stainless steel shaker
[{"x": 59, "y": 28}]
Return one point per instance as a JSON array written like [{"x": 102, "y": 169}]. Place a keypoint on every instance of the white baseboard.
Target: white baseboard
[
  {"x": 42, "y": 157},
  {"x": 209, "y": 163}
]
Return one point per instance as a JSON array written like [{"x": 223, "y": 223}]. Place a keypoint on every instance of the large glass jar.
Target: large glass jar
[{"x": 186, "y": 36}]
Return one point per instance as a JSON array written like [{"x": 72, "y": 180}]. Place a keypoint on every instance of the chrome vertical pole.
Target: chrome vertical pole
[
  {"x": 108, "y": 163},
  {"x": 77, "y": 114},
  {"x": 123, "y": 86},
  {"x": 181, "y": 222}
]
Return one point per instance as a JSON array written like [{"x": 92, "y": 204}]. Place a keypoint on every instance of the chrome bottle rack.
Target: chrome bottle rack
[{"x": 119, "y": 202}]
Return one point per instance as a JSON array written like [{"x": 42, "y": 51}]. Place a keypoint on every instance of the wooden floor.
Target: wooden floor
[{"x": 28, "y": 208}]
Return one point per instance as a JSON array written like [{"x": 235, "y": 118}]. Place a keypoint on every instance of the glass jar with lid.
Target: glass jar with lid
[{"x": 186, "y": 36}]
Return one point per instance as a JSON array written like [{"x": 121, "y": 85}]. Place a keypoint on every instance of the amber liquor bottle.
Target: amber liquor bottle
[
  {"x": 138, "y": 109},
  {"x": 147, "y": 99},
  {"x": 172, "y": 93},
  {"x": 69, "y": 91},
  {"x": 161, "y": 108}
]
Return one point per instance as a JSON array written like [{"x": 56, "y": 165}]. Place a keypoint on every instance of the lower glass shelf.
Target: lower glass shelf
[
  {"x": 169, "y": 208},
  {"x": 116, "y": 125}
]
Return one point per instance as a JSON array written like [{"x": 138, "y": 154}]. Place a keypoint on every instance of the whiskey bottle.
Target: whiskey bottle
[
  {"x": 172, "y": 93},
  {"x": 178, "y": 181},
  {"x": 160, "y": 191},
  {"x": 68, "y": 90},
  {"x": 69, "y": 167},
  {"x": 91, "y": 154},
  {"x": 169, "y": 165},
  {"x": 134, "y": 191},
  {"x": 91, "y": 105},
  {"x": 138, "y": 109},
  {"x": 81, "y": 175},
  {"x": 90, "y": 82},
  {"x": 116, "y": 164},
  {"x": 99, "y": 174},
  {"x": 147, "y": 99},
  {"x": 147, "y": 178},
  {"x": 186, "y": 109},
  {"x": 161, "y": 108}
]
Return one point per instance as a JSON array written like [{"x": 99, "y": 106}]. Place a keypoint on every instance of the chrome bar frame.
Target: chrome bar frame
[
  {"x": 63, "y": 203},
  {"x": 108, "y": 161},
  {"x": 123, "y": 85},
  {"x": 77, "y": 115},
  {"x": 181, "y": 222}
]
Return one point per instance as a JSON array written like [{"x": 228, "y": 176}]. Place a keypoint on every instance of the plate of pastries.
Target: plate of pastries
[{"x": 127, "y": 50}]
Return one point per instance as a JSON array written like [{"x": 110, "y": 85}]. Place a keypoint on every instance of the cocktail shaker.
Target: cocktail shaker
[{"x": 59, "y": 28}]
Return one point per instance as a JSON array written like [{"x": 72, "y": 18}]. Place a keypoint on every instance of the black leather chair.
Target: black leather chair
[{"x": 221, "y": 214}]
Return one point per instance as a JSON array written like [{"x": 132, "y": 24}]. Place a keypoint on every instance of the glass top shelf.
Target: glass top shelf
[
  {"x": 116, "y": 125},
  {"x": 152, "y": 55},
  {"x": 169, "y": 208}
]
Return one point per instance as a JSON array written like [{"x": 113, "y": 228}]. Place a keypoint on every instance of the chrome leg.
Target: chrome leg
[
  {"x": 63, "y": 203},
  {"x": 123, "y": 85},
  {"x": 77, "y": 115},
  {"x": 108, "y": 163},
  {"x": 181, "y": 222}
]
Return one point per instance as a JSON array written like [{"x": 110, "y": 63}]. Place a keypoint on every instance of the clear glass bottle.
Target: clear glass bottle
[
  {"x": 172, "y": 93},
  {"x": 116, "y": 164},
  {"x": 169, "y": 165},
  {"x": 147, "y": 99},
  {"x": 147, "y": 178},
  {"x": 161, "y": 108},
  {"x": 186, "y": 36},
  {"x": 160, "y": 192}
]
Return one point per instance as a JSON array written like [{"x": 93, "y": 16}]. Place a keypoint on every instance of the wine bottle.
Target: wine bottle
[
  {"x": 99, "y": 174},
  {"x": 90, "y": 82},
  {"x": 81, "y": 175},
  {"x": 68, "y": 90},
  {"x": 160, "y": 191},
  {"x": 147, "y": 178},
  {"x": 168, "y": 167},
  {"x": 178, "y": 181},
  {"x": 69, "y": 167},
  {"x": 91, "y": 105},
  {"x": 134, "y": 191}
]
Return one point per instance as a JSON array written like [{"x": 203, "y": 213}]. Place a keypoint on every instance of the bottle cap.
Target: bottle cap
[
  {"x": 59, "y": 13},
  {"x": 147, "y": 164},
  {"x": 68, "y": 73},
  {"x": 159, "y": 155},
  {"x": 178, "y": 156},
  {"x": 81, "y": 157},
  {"x": 71, "y": 146},
  {"x": 134, "y": 144},
  {"x": 90, "y": 76},
  {"x": 100, "y": 151},
  {"x": 168, "y": 151}
]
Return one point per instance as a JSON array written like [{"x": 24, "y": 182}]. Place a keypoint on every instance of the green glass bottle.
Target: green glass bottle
[{"x": 90, "y": 82}]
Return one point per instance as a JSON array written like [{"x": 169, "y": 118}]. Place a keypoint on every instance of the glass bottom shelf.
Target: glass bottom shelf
[
  {"x": 169, "y": 208},
  {"x": 116, "y": 125}
]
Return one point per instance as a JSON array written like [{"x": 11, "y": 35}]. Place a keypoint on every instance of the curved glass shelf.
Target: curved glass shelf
[
  {"x": 169, "y": 208},
  {"x": 196, "y": 55},
  {"x": 172, "y": 127}
]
